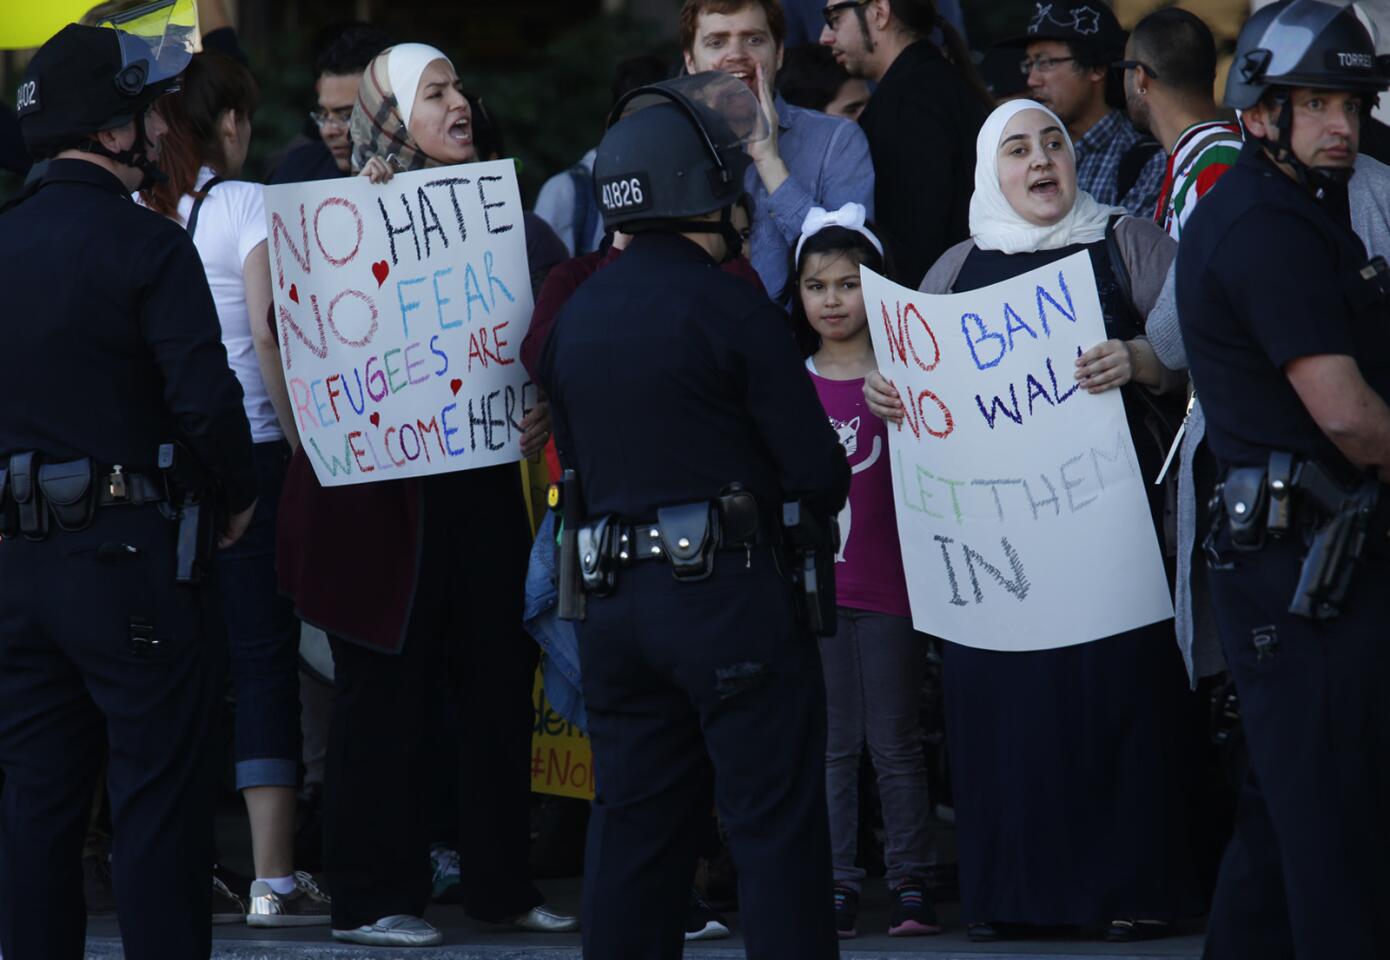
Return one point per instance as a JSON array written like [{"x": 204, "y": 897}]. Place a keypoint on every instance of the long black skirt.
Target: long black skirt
[{"x": 1069, "y": 770}]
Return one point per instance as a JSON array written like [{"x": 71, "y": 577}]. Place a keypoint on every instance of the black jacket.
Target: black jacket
[
  {"x": 921, "y": 123},
  {"x": 669, "y": 379},
  {"x": 111, "y": 336}
]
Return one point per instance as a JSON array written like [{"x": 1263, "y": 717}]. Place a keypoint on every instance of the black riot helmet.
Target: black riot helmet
[
  {"x": 1321, "y": 44},
  {"x": 1305, "y": 43},
  {"x": 88, "y": 79},
  {"x": 674, "y": 151}
]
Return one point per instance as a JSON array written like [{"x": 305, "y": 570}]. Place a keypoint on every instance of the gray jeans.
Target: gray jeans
[{"x": 874, "y": 667}]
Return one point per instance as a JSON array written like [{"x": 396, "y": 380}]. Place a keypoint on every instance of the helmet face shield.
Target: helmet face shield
[
  {"x": 157, "y": 41},
  {"x": 722, "y": 104}
]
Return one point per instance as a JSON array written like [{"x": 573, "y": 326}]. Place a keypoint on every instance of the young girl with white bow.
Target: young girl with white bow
[{"x": 875, "y": 663}]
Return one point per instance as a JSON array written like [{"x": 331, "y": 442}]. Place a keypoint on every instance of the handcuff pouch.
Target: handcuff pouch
[
  {"x": 595, "y": 556},
  {"x": 1243, "y": 496},
  {"x": 71, "y": 492},
  {"x": 688, "y": 535}
]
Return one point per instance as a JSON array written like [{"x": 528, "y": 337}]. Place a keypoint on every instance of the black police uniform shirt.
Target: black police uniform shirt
[
  {"x": 669, "y": 379},
  {"x": 111, "y": 336},
  {"x": 1266, "y": 275}
]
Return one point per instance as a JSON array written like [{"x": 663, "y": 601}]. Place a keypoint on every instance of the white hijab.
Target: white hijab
[
  {"x": 404, "y": 67},
  {"x": 995, "y": 225}
]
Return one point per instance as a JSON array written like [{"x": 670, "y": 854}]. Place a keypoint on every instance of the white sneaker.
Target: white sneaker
[
  {"x": 400, "y": 930},
  {"x": 304, "y": 906},
  {"x": 544, "y": 920}
]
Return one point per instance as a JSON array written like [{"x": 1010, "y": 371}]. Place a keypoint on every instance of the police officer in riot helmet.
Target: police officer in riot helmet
[
  {"x": 1287, "y": 329},
  {"x": 125, "y": 458},
  {"x": 682, "y": 407}
]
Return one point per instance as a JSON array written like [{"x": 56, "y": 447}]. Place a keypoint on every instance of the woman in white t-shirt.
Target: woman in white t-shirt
[{"x": 209, "y": 132}]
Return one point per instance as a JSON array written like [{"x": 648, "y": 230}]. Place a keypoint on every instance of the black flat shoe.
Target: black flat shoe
[
  {"x": 982, "y": 932},
  {"x": 1132, "y": 931}
]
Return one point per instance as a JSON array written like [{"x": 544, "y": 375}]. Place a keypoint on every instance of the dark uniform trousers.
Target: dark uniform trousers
[
  {"x": 1305, "y": 874},
  {"x": 71, "y": 677},
  {"x": 677, "y": 675}
]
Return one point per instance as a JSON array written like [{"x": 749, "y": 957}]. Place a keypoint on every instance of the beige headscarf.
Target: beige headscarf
[{"x": 381, "y": 115}]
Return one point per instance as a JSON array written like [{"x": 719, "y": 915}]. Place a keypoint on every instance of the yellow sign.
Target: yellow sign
[
  {"x": 25, "y": 25},
  {"x": 561, "y": 761}
]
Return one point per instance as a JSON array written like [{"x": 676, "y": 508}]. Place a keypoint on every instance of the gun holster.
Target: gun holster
[
  {"x": 595, "y": 557},
  {"x": 70, "y": 489},
  {"x": 1243, "y": 496},
  {"x": 33, "y": 519},
  {"x": 688, "y": 537}
]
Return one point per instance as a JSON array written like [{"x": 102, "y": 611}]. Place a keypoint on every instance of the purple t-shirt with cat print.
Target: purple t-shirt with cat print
[{"x": 869, "y": 566}]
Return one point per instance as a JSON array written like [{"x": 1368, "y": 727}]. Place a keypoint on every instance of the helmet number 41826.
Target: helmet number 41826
[{"x": 628, "y": 192}]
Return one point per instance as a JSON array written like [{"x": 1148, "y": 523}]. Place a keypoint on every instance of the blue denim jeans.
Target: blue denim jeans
[
  {"x": 262, "y": 639},
  {"x": 874, "y": 667}
]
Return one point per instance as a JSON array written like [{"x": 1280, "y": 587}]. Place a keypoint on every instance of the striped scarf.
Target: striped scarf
[{"x": 378, "y": 129}]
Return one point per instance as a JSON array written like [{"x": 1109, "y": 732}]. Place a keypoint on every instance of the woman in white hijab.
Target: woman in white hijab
[{"x": 1067, "y": 764}]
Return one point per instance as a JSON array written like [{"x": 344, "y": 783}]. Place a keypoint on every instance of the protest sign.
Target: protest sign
[
  {"x": 561, "y": 760},
  {"x": 27, "y": 25},
  {"x": 1021, "y": 509},
  {"x": 400, "y": 308}
]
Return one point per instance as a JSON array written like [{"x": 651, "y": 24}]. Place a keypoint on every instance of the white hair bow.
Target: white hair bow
[{"x": 851, "y": 216}]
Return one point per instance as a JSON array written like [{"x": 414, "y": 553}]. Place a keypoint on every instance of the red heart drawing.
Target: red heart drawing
[
  {"x": 375, "y": 418},
  {"x": 294, "y": 293},
  {"x": 454, "y": 385},
  {"x": 380, "y": 271}
]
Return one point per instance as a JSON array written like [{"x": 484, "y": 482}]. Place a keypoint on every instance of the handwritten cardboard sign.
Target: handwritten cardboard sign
[
  {"x": 400, "y": 308},
  {"x": 561, "y": 760},
  {"x": 1021, "y": 509}
]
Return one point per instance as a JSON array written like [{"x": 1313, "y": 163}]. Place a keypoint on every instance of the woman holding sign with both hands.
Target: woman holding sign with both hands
[
  {"x": 435, "y": 608},
  {"x": 1066, "y": 763}
]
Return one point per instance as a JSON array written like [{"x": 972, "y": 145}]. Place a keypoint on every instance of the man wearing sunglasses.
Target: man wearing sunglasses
[
  {"x": 921, "y": 121},
  {"x": 1169, "y": 72},
  {"x": 1067, "y": 52}
]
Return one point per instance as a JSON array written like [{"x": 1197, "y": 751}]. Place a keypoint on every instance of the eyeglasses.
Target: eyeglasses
[
  {"x": 833, "y": 11},
  {"x": 342, "y": 117},
  {"x": 1134, "y": 65},
  {"x": 1041, "y": 64}
]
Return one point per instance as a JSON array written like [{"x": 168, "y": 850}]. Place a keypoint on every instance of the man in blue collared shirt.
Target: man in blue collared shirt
[{"x": 810, "y": 160}]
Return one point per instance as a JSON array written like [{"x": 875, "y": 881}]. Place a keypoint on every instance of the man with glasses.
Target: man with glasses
[
  {"x": 1170, "y": 70},
  {"x": 1068, "y": 50},
  {"x": 341, "y": 57},
  {"x": 921, "y": 121}
]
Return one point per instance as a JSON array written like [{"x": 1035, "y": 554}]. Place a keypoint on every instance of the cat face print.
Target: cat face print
[{"x": 848, "y": 432}]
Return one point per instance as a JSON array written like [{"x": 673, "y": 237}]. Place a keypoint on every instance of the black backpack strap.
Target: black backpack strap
[
  {"x": 198, "y": 204},
  {"x": 586, "y": 212},
  {"x": 1132, "y": 164}
]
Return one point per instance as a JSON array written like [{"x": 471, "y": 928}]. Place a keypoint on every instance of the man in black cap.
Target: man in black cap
[
  {"x": 105, "y": 629},
  {"x": 695, "y": 667},
  {"x": 1068, "y": 50}
]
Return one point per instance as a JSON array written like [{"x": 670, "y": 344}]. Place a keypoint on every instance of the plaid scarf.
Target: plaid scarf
[{"x": 378, "y": 130}]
